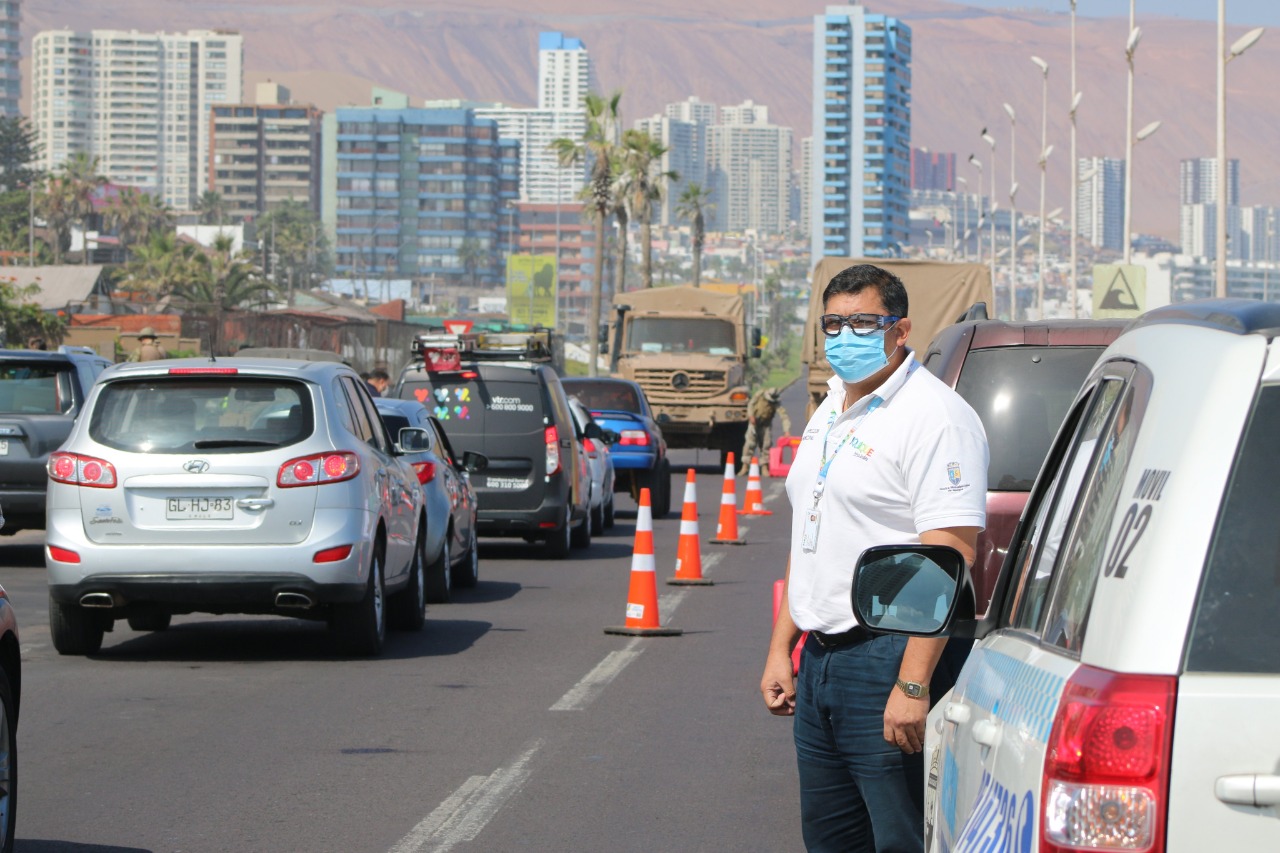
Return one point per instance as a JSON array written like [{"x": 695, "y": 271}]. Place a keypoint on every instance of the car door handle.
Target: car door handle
[
  {"x": 986, "y": 732},
  {"x": 956, "y": 713},
  {"x": 255, "y": 503},
  {"x": 1248, "y": 790}
]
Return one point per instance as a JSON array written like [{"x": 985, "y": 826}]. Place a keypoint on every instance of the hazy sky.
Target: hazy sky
[{"x": 1238, "y": 11}]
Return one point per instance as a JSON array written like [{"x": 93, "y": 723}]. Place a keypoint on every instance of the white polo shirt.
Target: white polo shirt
[{"x": 916, "y": 461}]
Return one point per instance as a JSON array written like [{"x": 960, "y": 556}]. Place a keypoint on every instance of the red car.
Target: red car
[{"x": 1020, "y": 378}]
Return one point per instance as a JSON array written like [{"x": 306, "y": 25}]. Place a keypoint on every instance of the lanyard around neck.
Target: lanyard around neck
[{"x": 825, "y": 467}]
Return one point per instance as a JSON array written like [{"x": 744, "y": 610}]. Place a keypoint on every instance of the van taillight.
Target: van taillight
[
  {"x": 1106, "y": 771},
  {"x": 76, "y": 470},
  {"x": 552, "y": 437},
  {"x": 318, "y": 470}
]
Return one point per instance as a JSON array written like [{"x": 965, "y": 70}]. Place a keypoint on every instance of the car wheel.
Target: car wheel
[
  {"x": 75, "y": 631},
  {"x": 150, "y": 620},
  {"x": 661, "y": 489},
  {"x": 409, "y": 606},
  {"x": 608, "y": 514},
  {"x": 466, "y": 574},
  {"x": 362, "y": 627},
  {"x": 558, "y": 543},
  {"x": 8, "y": 763},
  {"x": 597, "y": 519},
  {"x": 582, "y": 533},
  {"x": 439, "y": 590}
]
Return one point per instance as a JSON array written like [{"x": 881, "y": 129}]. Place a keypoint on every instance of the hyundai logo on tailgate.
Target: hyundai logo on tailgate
[{"x": 195, "y": 466}]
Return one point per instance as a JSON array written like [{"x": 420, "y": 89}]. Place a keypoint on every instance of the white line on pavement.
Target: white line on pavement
[
  {"x": 466, "y": 811},
  {"x": 595, "y": 681}
]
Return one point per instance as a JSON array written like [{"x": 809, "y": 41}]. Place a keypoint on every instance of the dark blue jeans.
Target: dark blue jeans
[{"x": 857, "y": 791}]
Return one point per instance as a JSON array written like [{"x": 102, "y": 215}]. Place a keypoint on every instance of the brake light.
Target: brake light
[
  {"x": 332, "y": 555},
  {"x": 62, "y": 555},
  {"x": 589, "y": 445},
  {"x": 426, "y": 471},
  {"x": 634, "y": 438},
  {"x": 76, "y": 470},
  {"x": 552, "y": 438},
  {"x": 318, "y": 470},
  {"x": 470, "y": 374},
  {"x": 203, "y": 371},
  {"x": 1106, "y": 774}
]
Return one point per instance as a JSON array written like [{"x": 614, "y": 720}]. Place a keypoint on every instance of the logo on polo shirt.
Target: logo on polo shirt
[{"x": 955, "y": 477}]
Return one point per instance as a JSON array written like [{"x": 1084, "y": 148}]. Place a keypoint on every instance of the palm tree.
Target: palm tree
[
  {"x": 54, "y": 206},
  {"x": 212, "y": 208},
  {"x": 621, "y": 198},
  {"x": 694, "y": 204},
  {"x": 642, "y": 153},
  {"x": 223, "y": 280},
  {"x": 471, "y": 254},
  {"x": 80, "y": 176},
  {"x": 596, "y": 148},
  {"x": 160, "y": 266},
  {"x": 135, "y": 215}
]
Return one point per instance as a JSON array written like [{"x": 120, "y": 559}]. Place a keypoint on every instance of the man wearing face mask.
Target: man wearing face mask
[{"x": 892, "y": 456}]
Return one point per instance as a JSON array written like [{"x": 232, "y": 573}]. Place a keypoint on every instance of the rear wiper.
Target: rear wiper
[{"x": 209, "y": 443}]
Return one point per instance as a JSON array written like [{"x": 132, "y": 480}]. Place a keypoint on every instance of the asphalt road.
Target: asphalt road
[{"x": 511, "y": 722}]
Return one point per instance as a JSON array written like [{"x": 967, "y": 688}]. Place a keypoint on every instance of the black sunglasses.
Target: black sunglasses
[{"x": 860, "y": 324}]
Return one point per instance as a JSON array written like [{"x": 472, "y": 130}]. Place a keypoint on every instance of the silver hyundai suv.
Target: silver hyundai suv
[{"x": 239, "y": 485}]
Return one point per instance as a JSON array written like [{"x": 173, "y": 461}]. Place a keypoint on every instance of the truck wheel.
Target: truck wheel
[{"x": 75, "y": 631}]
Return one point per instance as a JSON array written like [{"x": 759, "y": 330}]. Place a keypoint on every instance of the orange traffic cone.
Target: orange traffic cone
[
  {"x": 727, "y": 529},
  {"x": 689, "y": 554},
  {"x": 642, "y": 598},
  {"x": 753, "y": 501}
]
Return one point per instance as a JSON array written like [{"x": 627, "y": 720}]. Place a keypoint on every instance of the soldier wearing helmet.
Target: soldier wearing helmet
[{"x": 764, "y": 405}]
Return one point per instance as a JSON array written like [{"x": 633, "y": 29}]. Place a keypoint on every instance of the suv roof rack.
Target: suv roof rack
[{"x": 443, "y": 351}]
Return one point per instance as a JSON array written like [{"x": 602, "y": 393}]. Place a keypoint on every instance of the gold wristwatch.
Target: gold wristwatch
[{"x": 914, "y": 689}]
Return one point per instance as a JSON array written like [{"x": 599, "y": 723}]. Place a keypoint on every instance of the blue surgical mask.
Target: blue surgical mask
[{"x": 855, "y": 358}]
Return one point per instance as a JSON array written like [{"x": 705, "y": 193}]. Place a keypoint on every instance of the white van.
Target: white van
[{"x": 1124, "y": 689}]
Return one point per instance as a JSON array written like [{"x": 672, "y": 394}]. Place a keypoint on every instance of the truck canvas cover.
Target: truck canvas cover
[{"x": 694, "y": 300}]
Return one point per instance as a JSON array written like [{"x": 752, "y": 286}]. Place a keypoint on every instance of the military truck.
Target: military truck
[
  {"x": 940, "y": 293},
  {"x": 687, "y": 347}
]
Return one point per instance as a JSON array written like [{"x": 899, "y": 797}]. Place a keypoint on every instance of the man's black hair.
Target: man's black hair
[
  {"x": 379, "y": 373},
  {"x": 855, "y": 279}
]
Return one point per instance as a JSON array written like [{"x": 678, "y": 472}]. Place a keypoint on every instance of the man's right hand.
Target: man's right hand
[{"x": 778, "y": 686}]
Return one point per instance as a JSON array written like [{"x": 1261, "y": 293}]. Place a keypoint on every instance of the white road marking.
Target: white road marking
[
  {"x": 467, "y": 810},
  {"x": 595, "y": 681}
]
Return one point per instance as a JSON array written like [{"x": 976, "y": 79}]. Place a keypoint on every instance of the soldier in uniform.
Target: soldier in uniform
[
  {"x": 148, "y": 348},
  {"x": 764, "y": 405}
]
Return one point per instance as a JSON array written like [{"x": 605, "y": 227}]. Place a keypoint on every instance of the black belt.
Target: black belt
[{"x": 855, "y": 634}]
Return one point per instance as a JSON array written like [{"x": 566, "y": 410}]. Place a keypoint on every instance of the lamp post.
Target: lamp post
[
  {"x": 977, "y": 164},
  {"x": 1131, "y": 48},
  {"x": 1224, "y": 56},
  {"x": 1045, "y": 151},
  {"x": 964, "y": 217},
  {"x": 1073, "y": 281},
  {"x": 1013, "y": 209},
  {"x": 991, "y": 141}
]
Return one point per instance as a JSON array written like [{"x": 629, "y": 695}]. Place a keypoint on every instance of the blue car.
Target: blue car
[{"x": 640, "y": 453}]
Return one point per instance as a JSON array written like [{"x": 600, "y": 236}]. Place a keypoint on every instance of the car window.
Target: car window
[
  {"x": 1113, "y": 427},
  {"x": 218, "y": 414},
  {"x": 364, "y": 429},
  {"x": 1022, "y": 394},
  {"x": 343, "y": 405},
  {"x": 394, "y": 422},
  {"x": 602, "y": 396},
  {"x": 36, "y": 388},
  {"x": 446, "y": 449},
  {"x": 1234, "y": 628},
  {"x": 377, "y": 432},
  {"x": 466, "y": 406}
]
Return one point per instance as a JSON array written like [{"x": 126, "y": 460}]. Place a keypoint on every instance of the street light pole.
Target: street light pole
[
  {"x": 1224, "y": 56},
  {"x": 1045, "y": 151},
  {"x": 1013, "y": 210},
  {"x": 1131, "y": 47},
  {"x": 1075, "y": 174},
  {"x": 964, "y": 226},
  {"x": 977, "y": 164},
  {"x": 991, "y": 141}
]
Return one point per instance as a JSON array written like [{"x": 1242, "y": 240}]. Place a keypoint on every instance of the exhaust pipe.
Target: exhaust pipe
[
  {"x": 97, "y": 599},
  {"x": 294, "y": 600}
]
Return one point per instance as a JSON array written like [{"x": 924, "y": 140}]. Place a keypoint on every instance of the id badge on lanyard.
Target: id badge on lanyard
[{"x": 813, "y": 515}]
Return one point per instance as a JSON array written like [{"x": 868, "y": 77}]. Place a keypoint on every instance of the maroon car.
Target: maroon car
[{"x": 1020, "y": 378}]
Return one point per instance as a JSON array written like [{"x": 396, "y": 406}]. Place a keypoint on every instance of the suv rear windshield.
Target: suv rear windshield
[
  {"x": 475, "y": 406},
  {"x": 36, "y": 388},
  {"x": 604, "y": 396},
  {"x": 1235, "y": 628},
  {"x": 1022, "y": 394},
  {"x": 223, "y": 414}
]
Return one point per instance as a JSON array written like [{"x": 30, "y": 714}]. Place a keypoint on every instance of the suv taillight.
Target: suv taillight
[
  {"x": 634, "y": 438},
  {"x": 317, "y": 470},
  {"x": 552, "y": 437},
  {"x": 1106, "y": 771},
  {"x": 76, "y": 470}
]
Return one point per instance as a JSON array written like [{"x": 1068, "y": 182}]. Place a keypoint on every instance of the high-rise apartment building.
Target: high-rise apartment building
[
  {"x": 565, "y": 73},
  {"x": 806, "y": 181},
  {"x": 407, "y": 192},
  {"x": 694, "y": 109},
  {"x": 10, "y": 52},
  {"x": 933, "y": 170},
  {"x": 747, "y": 112},
  {"x": 749, "y": 173},
  {"x": 265, "y": 153},
  {"x": 138, "y": 102},
  {"x": 1199, "y": 181},
  {"x": 1100, "y": 201},
  {"x": 686, "y": 156},
  {"x": 1197, "y": 216},
  {"x": 862, "y": 134},
  {"x": 1253, "y": 232}
]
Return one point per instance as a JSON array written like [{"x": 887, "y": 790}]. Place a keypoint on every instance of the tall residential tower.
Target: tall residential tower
[{"x": 859, "y": 195}]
